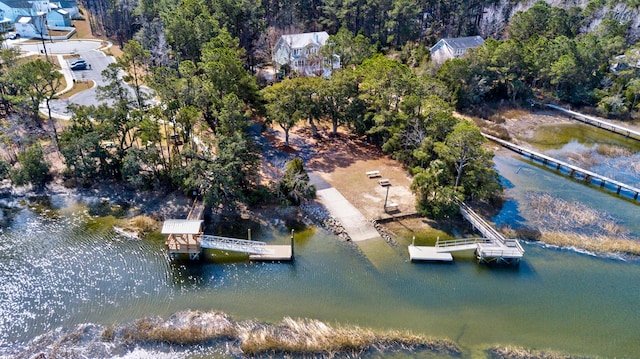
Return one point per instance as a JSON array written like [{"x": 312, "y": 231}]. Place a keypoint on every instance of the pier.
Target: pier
[
  {"x": 186, "y": 237},
  {"x": 491, "y": 248},
  {"x": 598, "y": 123},
  {"x": 573, "y": 171}
]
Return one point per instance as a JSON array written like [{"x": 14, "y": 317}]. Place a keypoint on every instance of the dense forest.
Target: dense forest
[{"x": 200, "y": 59}]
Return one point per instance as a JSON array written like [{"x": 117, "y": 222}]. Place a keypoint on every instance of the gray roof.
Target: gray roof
[
  {"x": 68, "y": 4},
  {"x": 17, "y": 4},
  {"x": 297, "y": 41},
  {"x": 181, "y": 226},
  {"x": 464, "y": 42}
]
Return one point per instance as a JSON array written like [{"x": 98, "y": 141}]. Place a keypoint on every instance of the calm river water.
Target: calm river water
[{"x": 62, "y": 267}]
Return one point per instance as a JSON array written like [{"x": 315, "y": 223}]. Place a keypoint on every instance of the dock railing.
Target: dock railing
[
  {"x": 234, "y": 244},
  {"x": 461, "y": 242}
]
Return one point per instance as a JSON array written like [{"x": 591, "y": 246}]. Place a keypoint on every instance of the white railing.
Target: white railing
[
  {"x": 461, "y": 242},
  {"x": 234, "y": 244}
]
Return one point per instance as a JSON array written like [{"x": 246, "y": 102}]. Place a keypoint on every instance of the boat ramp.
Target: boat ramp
[
  {"x": 186, "y": 237},
  {"x": 491, "y": 248}
]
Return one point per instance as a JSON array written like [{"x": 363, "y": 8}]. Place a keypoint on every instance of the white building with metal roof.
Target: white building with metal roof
[{"x": 451, "y": 48}]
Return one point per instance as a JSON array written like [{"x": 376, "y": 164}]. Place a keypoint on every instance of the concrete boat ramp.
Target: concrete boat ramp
[{"x": 360, "y": 230}]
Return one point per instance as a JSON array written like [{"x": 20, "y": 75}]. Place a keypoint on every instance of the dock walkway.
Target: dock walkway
[
  {"x": 626, "y": 132},
  {"x": 185, "y": 236},
  {"x": 604, "y": 182},
  {"x": 492, "y": 247}
]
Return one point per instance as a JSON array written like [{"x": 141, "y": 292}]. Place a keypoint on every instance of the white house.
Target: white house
[
  {"x": 32, "y": 26},
  {"x": 450, "y": 48},
  {"x": 58, "y": 17},
  {"x": 70, "y": 6},
  {"x": 16, "y": 13},
  {"x": 15, "y": 9},
  {"x": 302, "y": 53}
]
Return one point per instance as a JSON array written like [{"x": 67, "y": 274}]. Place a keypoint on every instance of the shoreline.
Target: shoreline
[{"x": 212, "y": 331}]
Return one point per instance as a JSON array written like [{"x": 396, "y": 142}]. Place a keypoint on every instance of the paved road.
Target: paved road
[{"x": 86, "y": 49}]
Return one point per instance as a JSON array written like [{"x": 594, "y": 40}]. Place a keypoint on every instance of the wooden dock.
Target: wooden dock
[
  {"x": 491, "y": 248},
  {"x": 598, "y": 123},
  {"x": 186, "y": 237},
  {"x": 573, "y": 171}
]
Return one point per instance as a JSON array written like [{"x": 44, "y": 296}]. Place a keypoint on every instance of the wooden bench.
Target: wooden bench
[
  {"x": 384, "y": 182},
  {"x": 391, "y": 207},
  {"x": 373, "y": 174}
]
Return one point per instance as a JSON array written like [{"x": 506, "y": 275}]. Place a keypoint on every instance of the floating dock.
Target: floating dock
[
  {"x": 274, "y": 253},
  {"x": 425, "y": 253}
]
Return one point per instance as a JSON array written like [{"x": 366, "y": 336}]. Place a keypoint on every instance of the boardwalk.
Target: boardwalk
[
  {"x": 493, "y": 247},
  {"x": 598, "y": 123},
  {"x": 573, "y": 171}
]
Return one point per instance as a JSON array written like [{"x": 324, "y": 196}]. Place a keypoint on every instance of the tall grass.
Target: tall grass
[
  {"x": 597, "y": 244},
  {"x": 308, "y": 336},
  {"x": 299, "y": 337},
  {"x": 573, "y": 224},
  {"x": 141, "y": 225},
  {"x": 613, "y": 151},
  {"x": 553, "y": 214}
]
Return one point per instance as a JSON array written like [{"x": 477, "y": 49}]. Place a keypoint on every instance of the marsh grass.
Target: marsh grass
[
  {"x": 299, "y": 337},
  {"x": 522, "y": 353},
  {"x": 613, "y": 151},
  {"x": 139, "y": 226},
  {"x": 583, "y": 159},
  {"x": 572, "y": 224},
  {"x": 556, "y": 215},
  {"x": 597, "y": 244},
  {"x": 493, "y": 128},
  {"x": 313, "y": 337}
]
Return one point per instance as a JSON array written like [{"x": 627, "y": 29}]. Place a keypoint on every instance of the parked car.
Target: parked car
[
  {"x": 77, "y": 62},
  {"x": 78, "y": 66},
  {"x": 13, "y": 36}
]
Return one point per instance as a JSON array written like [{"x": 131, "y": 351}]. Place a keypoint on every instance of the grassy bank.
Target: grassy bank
[{"x": 299, "y": 337}]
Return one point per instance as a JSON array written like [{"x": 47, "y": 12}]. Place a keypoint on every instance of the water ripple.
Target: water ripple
[{"x": 59, "y": 270}]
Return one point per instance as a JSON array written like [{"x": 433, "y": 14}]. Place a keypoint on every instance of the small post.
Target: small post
[
  {"x": 413, "y": 241},
  {"x": 249, "y": 233},
  {"x": 292, "y": 243}
]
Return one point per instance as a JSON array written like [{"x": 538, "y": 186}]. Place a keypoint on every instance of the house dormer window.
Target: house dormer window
[{"x": 296, "y": 52}]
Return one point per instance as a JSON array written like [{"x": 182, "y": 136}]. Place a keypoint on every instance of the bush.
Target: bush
[
  {"x": 5, "y": 169},
  {"x": 294, "y": 187},
  {"x": 33, "y": 168}
]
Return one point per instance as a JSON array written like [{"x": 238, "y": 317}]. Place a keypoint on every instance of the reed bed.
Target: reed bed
[
  {"x": 312, "y": 337},
  {"x": 556, "y": 215},
  {"x": 297, "y": 337},
  {"x": 522, "y": 353},
  {"x": 140, "y": 225},
  {"x": 613, "y": 151},
  {"x": 595, "y": 244},
  {"x": 585, "y": 159},
  {"x": 571, "y": 224},
  {"x": 183, "y": 328}
]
